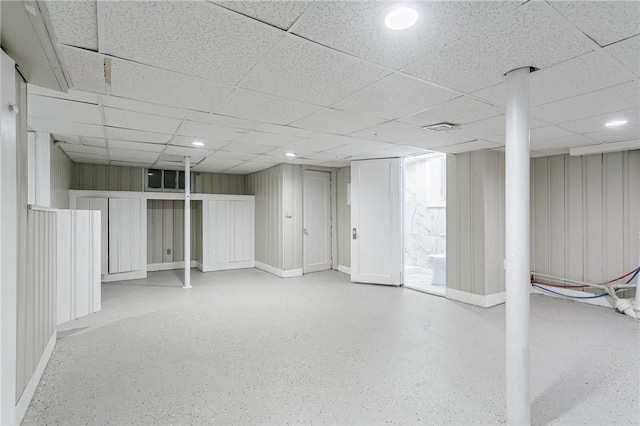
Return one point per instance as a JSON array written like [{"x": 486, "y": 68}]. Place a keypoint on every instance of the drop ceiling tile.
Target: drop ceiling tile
[
  {"x": 136, "y": 135},
  {"x": 627, "y": 52},
  {"x": 538, "y": 134},
  {"x": 65, "y": 127},
  {"x": 597, "y": 123},
  {"x": 69, "y": 139},
  {"x": 356, "y": 28},
  {"x": 326, "y": 156},
  {"x": 548, "y": 153},
  {"x": 232, "y": 155},
  {"x": 63, "y": 110},
  {"x": 130, "y": 164},
  {"x": 101, "y": 142},
  {"x": 87, "y": 159},
  {"x": 337, "y": 164},
  {"x": 298, "y": 149},
  {"x": 603, "y": 21},
  {"x": 260, "y": 107},
  {"x": 336, "y": 121},
  {"x": 221, "y": 120},
  {"x": 216, "y": 165},
  {"x": 140, "y": 121},
  {"x": 562, "y": 143},
  {"x": 248, "y": 147},
  {"x": 390, "y": 131},
  {"x": 83, "y": 149},
  {"x": 169, "y": 165},
  {"x": 467, "y": 147},
  {"x": 72, "y": 94},
  {"x": 283, "y": 130},
  {"x": 617, "y": 98},
  {"x": 144, "y": 83},
  {"x": 144, "y": 107},
  {"x": 193, "y": 38},
  {"x": 281, "y": 14},
  {"x": 435, "y": 139},
  {"x": 249, "y": 167},
  {"x": 74, "y": 23},
  {"x": 576, "y": 76},
  {"x": 196, "y": 154},
  {"x": 524, "y": 37},
  {"x": 322, "y": 141},
  {"x": 399, "y": 151},
  {"x": 461, "y": 110},
  {"x": 129, "y": 155},
  {"x": 395, "y": 96},
  {"x": 616, "y": 134},
  {"x": 264, "y": 138},
  {"x": 135, "y": 146},
  {"x": 305, "y": 71},
  {"x": 270, "y": 159},
  {"x": 208, "y": 143},
  {"x": 358, "y": 148},
  {"x": 209, "y": 131},
  {"x": 490, "y": 127},
  {"x": 86, "y": 69}
]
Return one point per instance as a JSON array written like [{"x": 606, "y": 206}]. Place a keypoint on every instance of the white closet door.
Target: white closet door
[
  {"x": 102, "y": 205},
  {"x": 376, "y": 245},
  {"x": 243, "y": 235},
  {"x": 125, "y": 235},
  {"x": 217, "y": 216},
  {"x": 316, "y": 244}
]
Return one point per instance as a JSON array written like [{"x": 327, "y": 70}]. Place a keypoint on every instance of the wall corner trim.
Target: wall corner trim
[
  {"x": 344, "y": 269},
  {"x": 476, "y": 299},
  {"x": 287, "y": 273},
  {"x": 30, "y": 389}
]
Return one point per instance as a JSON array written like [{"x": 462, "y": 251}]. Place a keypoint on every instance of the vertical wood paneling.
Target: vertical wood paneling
[
  {"x": 613, "y": 219},
  {"x": 61, "y": 178},
  {"x": 125, "y": 235},
  {"x": 453, "y": 207},
  {"x": 556, "y": 216},
  {"x": 594, "y": 271},
  {"x": 574, "y": 239},
  {"x": 343, "y": 217}
]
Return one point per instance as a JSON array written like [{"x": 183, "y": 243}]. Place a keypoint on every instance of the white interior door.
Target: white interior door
[
  {"x": 376, "y": 234},
  {"x": 125, "y": 235},
  {"x": 316, "y": 221}
]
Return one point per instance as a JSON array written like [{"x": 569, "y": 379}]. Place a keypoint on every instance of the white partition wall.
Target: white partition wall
[
  {"x": 101, "y": 205},
  {"x": 125, "y": 236},
  {"x": 78, "y": 264}
]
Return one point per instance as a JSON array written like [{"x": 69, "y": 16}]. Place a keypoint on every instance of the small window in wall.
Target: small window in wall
[{"x": 164, "y": 180}]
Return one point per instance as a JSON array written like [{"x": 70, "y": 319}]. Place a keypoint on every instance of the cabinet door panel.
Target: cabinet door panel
[{"x": 125, "y": 235}]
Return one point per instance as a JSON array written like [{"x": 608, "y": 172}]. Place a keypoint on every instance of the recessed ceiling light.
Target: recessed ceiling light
[
  {"x": 401, "y": 18},
  {"x": 615, "y": 123},
  {"x": 197, "y": 143},
  {"x": 290, "y": 154}
]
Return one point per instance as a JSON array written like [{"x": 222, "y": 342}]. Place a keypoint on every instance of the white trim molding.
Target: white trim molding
[
  {"x": 168, "y": 266},
  {"x": 344, "y": 269},
  {"x": 476, "y": 299},
  {"x": 288, "y": 273},
  {"x": 124, "y": 276},
  {"x": 30, "y": 389}
]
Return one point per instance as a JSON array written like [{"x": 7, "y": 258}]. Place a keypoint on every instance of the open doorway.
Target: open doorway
[{"x": 424, "y": 238}]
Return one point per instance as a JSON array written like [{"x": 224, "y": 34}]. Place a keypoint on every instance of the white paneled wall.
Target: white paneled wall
[
  {"x": 101, "y": 205},
  {"x": 165, "y": 232},
  {"x": 78, "y": 263},
  {"x": 61, "y": 178},
  {"x": 586, "y": 215},
  {"x": 126, "y": 236},
  {"x": 344, "y": 217}
]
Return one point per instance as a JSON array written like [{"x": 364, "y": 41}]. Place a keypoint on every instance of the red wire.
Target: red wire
[{"x": 583, "y": 286}]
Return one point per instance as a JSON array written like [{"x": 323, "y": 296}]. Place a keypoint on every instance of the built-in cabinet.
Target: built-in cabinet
[{"x": 226, "y": 239}]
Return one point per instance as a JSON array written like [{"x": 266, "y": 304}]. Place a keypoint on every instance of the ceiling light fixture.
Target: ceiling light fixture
[
  {"x": 197, "y": 143},
  {"x": 615, "y": 123},
  {"x": 401, "y": 18},
  {"x": 290, "y": 154}
]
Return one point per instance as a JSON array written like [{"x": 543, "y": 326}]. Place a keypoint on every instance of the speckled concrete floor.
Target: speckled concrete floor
[{"x": 245, "y": 347}]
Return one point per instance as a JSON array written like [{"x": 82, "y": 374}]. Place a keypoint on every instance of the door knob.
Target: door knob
[
  {"x": 305, "y": 232},
  {"x": 354, "y": 233}
]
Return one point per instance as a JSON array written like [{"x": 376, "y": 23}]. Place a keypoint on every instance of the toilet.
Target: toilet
[{"x": 439, "y": 264}]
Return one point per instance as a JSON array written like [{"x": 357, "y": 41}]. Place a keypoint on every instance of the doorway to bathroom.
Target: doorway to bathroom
[{"x": 424, "y": 228}]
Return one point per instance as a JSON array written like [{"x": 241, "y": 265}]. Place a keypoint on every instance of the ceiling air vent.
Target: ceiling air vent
[{"x": 440, "y": 127}]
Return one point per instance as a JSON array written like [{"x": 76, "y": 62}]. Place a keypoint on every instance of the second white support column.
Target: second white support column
[{"x": 187, "y": 222}]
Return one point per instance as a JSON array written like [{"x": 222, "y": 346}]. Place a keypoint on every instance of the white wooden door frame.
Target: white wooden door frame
[{"x": 307, "y": 174}]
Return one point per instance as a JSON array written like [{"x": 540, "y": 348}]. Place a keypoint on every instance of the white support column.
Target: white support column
[
  {"x": 187, "y": 222},
  {"x": 517, "y": 232},
  {"x": 636, "y": 302}
]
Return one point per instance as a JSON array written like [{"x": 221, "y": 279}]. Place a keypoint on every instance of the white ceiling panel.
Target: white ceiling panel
[
  {"x": 326, "y": 156},
  {"x": 467, "y": 147},
  {"x": 576, "y": 76},
  {"x": 83, "y": 149},
  {"x": 435, "y": 139},
  {"x": 72, "y": 94},
  {"x": 64, "y": 110},
  {"x": 597, "y": 123},
  {"x": 538, "y": 134},
  {"x": 299, "y": 149},
  {"x": 390, "y": 131},
  {"x": 260, "y": 107},
  {"x": 140, "y": 121},
  {"x": 524, "y": 37},
  {"x": 617, "y": 98},
  {"x": 263, "y": 138},
  {"x": 227, "y": 155},
  {"x": 357, "y": 28},
  {"x": 221, "y": 120},
  {"x": 399, "y": 151},
  {"x": 562, "y": 143},
  {"x": 65, "y": 127},
  {"x": 85, "y": 68},
  {"x": 603, "y": 21},
  {"x": 490, "y": 127},
  {"x": 76, "y": 157},
  {"x": 627, "y": 52},
  {"x": 461, "y": 110},
  {"x": 179, "y": 36},
  {"x": 158, "y": 86},
  {"x": 283, "y": 130},
  {"x": 129, "y": 155},
  {"x": 135, "y": 146},
  {"x": 136, "y": 135},
  {"x": 131, "y": 164},
  {"x": 71, "y": 139},
  {"x": 359, "y": 148},
  {"x": 395, "y": 96},
  {"x": 215, "y": 165},
  {"x": 321, "y": 141},
  {"x": 301, "y": 70},
  {"x": 337, "y": 164},
  {"x": 196, "y": 154},
  {"x": 249, "y": 167},
  {"x": 74, "y": 23},
  {"x": 94, "y": 141},
  {"x": 266, "y": 159},
  {"x": 208, "y": 143},
  {"x": 281, "y": 14},
  {"x": 209, "y": 131},
  {"x": 336, "y": 121},
  {"x": 548, "y": 153},
  {"x": 144, "y": 107},
  {"x": 616, "y": 134},
  {"x": 248, "y": 147}
]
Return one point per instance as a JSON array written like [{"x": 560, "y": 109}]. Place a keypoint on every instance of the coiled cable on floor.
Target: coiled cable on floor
[{"x": 570, "y": 297}]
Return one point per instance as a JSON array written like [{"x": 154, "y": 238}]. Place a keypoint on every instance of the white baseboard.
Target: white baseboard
[
  {"x": 124, "y": 276},
  {"x": 606, "y": 301},
  {"x": 30, "y": 389},
  {"x": 344, "y": 269},
  {"x": 167, "y": 266},
  {"x": 226, "y": 266},
  {"x": 476, "y": 299},
  {"x": 288, "y": 273}
]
